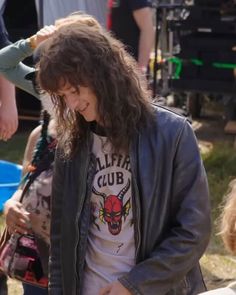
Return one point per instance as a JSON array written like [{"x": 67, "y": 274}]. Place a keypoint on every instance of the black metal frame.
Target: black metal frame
[
  {"x": 159, "y": 8},
  {"x": 193, "y": 84}
]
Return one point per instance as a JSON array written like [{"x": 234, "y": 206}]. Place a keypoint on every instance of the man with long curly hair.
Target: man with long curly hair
[{"x": 130, "y": 207}]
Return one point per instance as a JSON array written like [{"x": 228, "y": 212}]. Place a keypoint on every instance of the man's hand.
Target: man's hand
[
  {"x": 115, "y": 288},
  {"x": 8, "y": 110}
]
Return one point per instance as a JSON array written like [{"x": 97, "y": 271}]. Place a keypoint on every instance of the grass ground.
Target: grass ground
[
  {"x": 219, "y": 157},
  {"x": 13, "y": 149}
]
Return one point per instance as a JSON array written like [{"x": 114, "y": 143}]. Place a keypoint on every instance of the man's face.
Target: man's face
[{"x": 82, "y": 100}]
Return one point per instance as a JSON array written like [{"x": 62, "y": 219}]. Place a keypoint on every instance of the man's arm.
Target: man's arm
[
  {"x": 14, "y": 70},
  {"x": 143, "y": 18},
  {"x": 8, "y": 109},
  {"x": 11, "y": 57}
]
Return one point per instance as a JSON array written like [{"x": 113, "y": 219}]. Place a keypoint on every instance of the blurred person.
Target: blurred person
[
  {"x": 130, "y": 206},
  {"x": 8, "y": 109},
  {"x": 131, "y": 21},
  {"x": 39, "y": 153},
  {"x": 51, "y": 10},
  {"x": 228, "y": 234},
  {"x": 228, "y": 220},
  {"x": 32, "y": 216}
]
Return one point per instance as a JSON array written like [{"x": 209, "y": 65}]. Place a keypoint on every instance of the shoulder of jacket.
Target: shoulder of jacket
[{"x": 170, "y": 114}]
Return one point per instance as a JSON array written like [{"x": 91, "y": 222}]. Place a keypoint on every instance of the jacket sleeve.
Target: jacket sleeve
[
  {"x": 12, "y": 68},
  {"x": 55, "y": 277},
  {"x": 188, "y": 236}
]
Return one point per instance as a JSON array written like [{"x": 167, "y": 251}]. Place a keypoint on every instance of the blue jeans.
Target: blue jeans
[{"x": 31, "y": 290}]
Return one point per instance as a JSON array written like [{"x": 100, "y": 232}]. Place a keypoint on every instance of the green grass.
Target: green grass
[
  {"x": 13, "y": 149},
  {"x": 220, "y": 165}
]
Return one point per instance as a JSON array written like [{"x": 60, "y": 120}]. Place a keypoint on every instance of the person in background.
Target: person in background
[
  {"x": 8, "y": 108},
  {"x": 51, "y": 10},
  {"x": 131, "y": 21},
  {"x": 32, "y": 216},
  {"x": 228, "y": 234},
  {"x": 130, "y": 205},
  {"x": 228, "y": 220}
]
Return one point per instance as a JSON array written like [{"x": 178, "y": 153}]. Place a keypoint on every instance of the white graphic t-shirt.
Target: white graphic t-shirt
[{"x": 110, "y": 249}]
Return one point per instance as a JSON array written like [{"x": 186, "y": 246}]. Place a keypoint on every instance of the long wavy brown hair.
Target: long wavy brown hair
[
  {"x": 89, "y": 56},
  {"x": 228, "y": 219},
  {"x": 78, "y": 17}
]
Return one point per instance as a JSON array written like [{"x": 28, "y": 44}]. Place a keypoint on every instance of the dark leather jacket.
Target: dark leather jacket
[{"x": 172, "y": 212}]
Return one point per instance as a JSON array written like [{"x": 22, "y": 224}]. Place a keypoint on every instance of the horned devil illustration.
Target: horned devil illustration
[{"x": 112, "y": 210}]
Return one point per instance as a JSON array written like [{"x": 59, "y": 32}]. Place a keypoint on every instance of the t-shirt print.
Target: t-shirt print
[
  {"x": 110, "y": 247},
  {"x": 112, "y": 210},
  {"x": 111, "y": 201}
]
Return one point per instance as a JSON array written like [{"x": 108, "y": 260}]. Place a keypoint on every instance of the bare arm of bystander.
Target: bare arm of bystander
[{"x": 144, "y": 20}]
